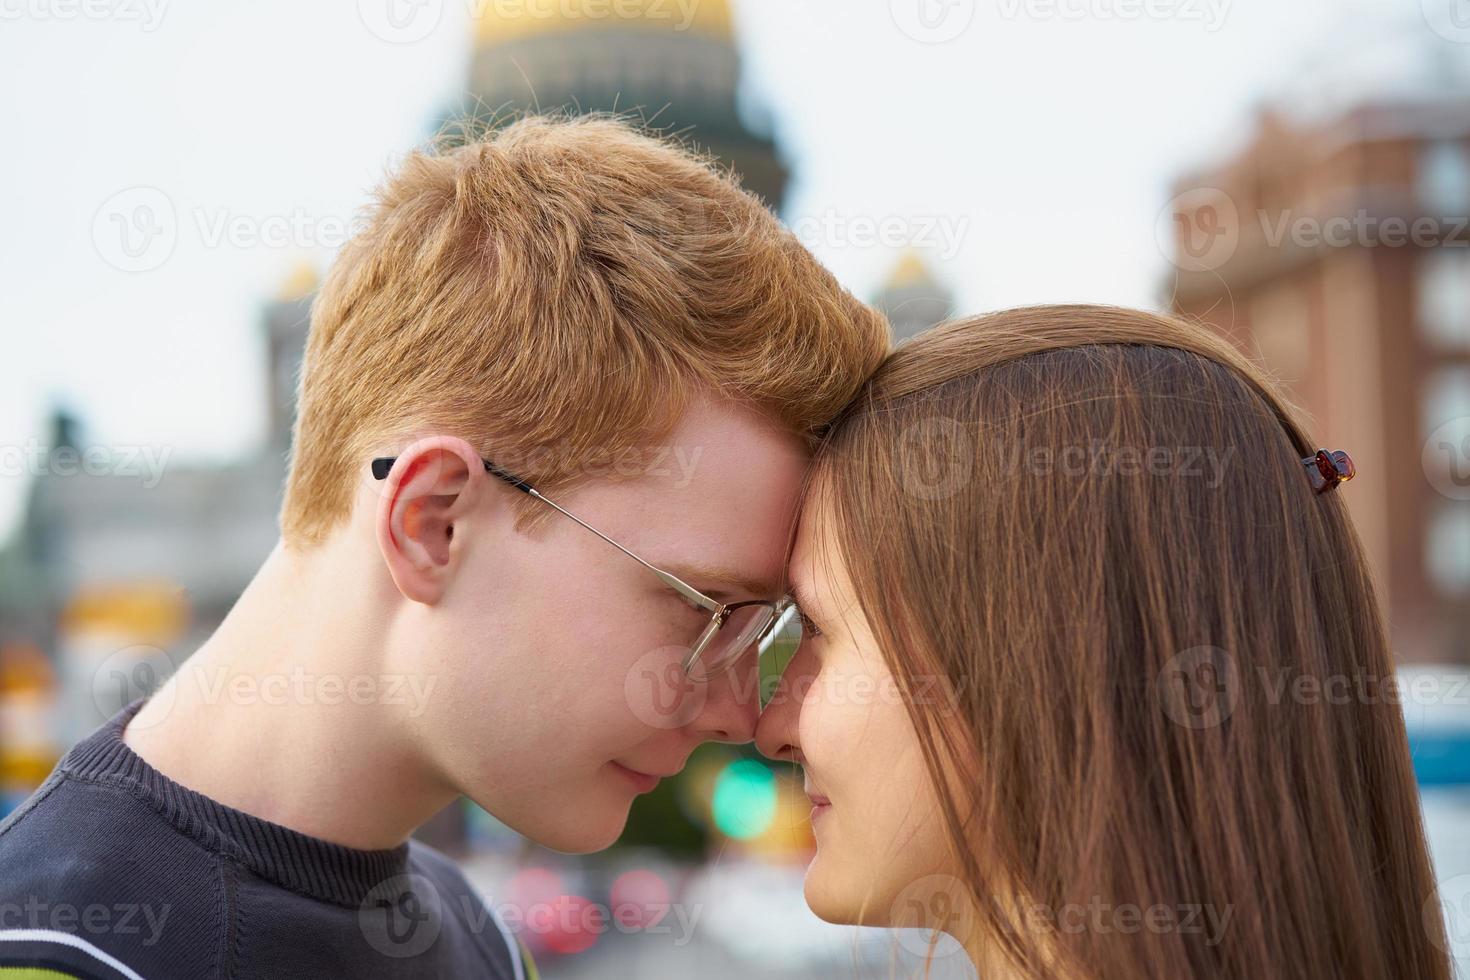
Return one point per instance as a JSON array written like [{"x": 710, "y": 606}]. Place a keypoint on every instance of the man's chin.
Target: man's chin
[{"x": 591, "y": 829}]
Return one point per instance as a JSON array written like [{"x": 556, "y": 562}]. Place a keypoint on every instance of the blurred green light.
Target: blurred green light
[{"x": 745, "y": 799}]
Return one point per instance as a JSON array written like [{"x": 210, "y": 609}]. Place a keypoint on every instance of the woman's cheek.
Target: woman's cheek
[{"x": 834, "y": 730}]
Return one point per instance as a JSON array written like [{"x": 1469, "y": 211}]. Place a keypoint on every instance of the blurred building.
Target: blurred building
[
  {"x": 1333, "y": 247},
  {"x": 674, "y": 66},
  {"x": 132, "y": 564},
  {"x": 912, "y": 298}
]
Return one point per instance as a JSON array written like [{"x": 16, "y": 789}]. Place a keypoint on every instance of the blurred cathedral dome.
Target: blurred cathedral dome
[{"x": 671, "y": 64}]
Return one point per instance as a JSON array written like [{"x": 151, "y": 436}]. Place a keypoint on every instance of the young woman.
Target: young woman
[{"x": 1093, "y": 675}]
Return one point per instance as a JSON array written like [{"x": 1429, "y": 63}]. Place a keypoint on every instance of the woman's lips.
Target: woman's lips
[{"x": 820, "y": 803}]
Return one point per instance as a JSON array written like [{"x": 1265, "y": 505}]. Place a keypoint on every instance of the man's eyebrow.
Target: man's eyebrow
[{"x": 733, "y": 583}]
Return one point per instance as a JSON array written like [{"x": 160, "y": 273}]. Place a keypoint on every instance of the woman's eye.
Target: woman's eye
[{"x": 808, "y": 627}]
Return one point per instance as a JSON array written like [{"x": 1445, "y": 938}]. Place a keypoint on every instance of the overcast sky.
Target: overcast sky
[{"x": 1026, "y": 146}]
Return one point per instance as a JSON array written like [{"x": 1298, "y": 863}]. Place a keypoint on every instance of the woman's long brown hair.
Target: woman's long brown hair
[{"x": 1094, "y": 526}]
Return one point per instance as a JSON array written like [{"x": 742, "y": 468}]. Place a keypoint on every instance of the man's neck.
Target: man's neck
[{"x": 283, "y": 712}]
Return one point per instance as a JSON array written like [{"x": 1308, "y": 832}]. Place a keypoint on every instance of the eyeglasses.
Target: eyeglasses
[{"x": 733, "y": 627}]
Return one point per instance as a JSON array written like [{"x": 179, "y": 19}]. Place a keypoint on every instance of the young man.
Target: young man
[{"x": 554, "y": 413}]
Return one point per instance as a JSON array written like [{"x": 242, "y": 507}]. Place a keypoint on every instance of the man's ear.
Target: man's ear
[{"x": 434, "y": 484}]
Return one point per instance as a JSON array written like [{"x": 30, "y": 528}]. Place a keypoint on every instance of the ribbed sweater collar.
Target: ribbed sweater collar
[{"x": 301, "y": 863}]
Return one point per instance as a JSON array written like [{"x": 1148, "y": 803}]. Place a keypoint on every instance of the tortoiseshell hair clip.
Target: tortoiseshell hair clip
[{"x": 1327, "y": 469}]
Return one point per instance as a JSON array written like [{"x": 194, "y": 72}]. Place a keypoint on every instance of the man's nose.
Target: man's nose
[
  {"x": 732, "y": 705},
  {"x": 776, "y": 732}
]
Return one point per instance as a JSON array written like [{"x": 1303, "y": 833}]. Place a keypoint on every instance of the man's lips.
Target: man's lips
[{"x": 643, "y": 782}]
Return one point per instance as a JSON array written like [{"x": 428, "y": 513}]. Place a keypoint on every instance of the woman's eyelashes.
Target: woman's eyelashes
[{"x": 809, "y": 628}]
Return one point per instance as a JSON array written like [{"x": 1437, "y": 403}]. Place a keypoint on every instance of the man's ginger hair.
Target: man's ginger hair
[{"x": 554, "y": 292}]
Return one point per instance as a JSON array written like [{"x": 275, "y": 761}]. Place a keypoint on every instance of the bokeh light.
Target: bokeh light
[
  {"x": 745, "y": 799},
  {"x": 640, "y": 899}
]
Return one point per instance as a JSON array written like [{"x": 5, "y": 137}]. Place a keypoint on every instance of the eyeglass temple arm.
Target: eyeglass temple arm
[
  {"x": 673, "y": 581},
  {"x": 383, "y": 464}
]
